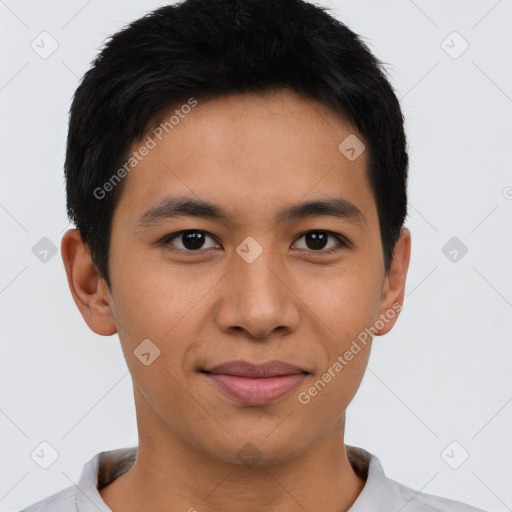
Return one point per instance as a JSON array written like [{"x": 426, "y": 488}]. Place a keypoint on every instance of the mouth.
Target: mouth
[{"x": 255, "y": 384}]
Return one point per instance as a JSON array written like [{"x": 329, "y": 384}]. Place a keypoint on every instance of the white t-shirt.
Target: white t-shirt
[{"x": 380, "y": 494}]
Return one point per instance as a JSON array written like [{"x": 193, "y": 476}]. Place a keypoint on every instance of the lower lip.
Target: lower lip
[{"x": 256, "y": 391}]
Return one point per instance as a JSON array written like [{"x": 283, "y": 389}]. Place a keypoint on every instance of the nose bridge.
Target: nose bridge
[
  {"x": 257, "y": 298},
  {"x": 259, "y": 283}
]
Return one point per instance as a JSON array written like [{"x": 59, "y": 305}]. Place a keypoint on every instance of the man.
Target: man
[{"x": 237, "y": 174}]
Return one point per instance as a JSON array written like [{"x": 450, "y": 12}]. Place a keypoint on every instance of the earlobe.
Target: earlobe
[
  {"x": 393, "y": 291},
  {"x": 89, "y": 290}
]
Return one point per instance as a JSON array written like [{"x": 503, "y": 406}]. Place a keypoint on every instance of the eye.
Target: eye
[
  {"x": 321, "y": 241},
  {"x": 189, "y": 241},
  {"x": 318, "y": 241}
]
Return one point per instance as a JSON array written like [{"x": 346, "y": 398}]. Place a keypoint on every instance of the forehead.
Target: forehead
[{"x": 247, "y": 152}]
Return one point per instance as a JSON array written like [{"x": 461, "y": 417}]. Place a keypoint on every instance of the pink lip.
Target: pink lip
[{"x": 256, "y": 384}]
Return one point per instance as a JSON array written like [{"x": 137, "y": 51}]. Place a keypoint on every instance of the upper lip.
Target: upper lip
[{"x": 241, "y": 368}]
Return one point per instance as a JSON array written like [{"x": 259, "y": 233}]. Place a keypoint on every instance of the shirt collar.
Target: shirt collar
[
  {"x": 102, "y": 469},
  {"x": 106, "y": 466}
]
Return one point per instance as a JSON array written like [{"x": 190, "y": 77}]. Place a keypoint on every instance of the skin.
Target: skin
[{"x": 252, "y": 155}]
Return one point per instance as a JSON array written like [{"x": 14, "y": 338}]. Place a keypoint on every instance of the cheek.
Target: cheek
[
  {"x": 158, "y": 318},
  {"x": 151, "y": 298},
  {"x": 343, "y": 315},
  {"x": 345, "y": 301},
  {"x": 165, "y": 304}
]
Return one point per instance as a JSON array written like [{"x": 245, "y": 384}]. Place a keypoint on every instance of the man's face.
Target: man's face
[{"x": 252, "y": 286}]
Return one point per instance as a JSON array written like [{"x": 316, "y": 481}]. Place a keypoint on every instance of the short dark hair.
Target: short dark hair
[{"x": 211, "y": 48}]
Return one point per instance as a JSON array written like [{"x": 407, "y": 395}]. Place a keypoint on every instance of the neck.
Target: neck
[{"x": 171, "y": 474}]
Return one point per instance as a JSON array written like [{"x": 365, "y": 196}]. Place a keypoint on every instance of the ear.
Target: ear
[
  {"x": 393, "y": 289},
  {"x": 90, "y": 291}
]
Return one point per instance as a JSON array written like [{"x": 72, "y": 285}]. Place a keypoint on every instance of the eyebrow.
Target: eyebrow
[{"x": 174, "y": 207}]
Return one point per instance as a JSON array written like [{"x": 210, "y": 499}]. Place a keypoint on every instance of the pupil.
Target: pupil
[
  {"x": 316, "y": 240},
  {"x": 193, "y": 240}
]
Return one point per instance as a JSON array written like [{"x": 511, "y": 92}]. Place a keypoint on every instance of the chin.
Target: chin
[{"x": 256, "y": 449}]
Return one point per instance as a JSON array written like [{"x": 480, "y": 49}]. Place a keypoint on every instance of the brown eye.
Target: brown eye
[
  {"x": 316, "y": 240},
  {"x": 190, "y": 240},
  {"x": 322, "y": 241}
]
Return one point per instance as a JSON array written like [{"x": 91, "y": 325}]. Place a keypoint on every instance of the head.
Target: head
[{"x": 268, "y": 132}]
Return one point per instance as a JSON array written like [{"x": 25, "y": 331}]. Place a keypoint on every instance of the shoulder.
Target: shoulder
[
  {"x": 84, "y": 496},
  {"x": 62, "y": 501},
  {"x": 414, "y": 501},
  {"x": 383, "y": 493}
]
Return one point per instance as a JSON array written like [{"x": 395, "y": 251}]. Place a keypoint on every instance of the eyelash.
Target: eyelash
[{"x": 342, "y": 241}]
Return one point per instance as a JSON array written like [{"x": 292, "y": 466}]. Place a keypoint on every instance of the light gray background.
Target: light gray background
[{"x": 443, "y": 373}]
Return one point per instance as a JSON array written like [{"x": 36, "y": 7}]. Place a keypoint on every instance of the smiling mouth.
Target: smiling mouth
[{"x": 255, "y": 384}]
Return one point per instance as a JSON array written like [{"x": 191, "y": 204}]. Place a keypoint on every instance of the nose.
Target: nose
[{"x": 257, "y": 300}]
